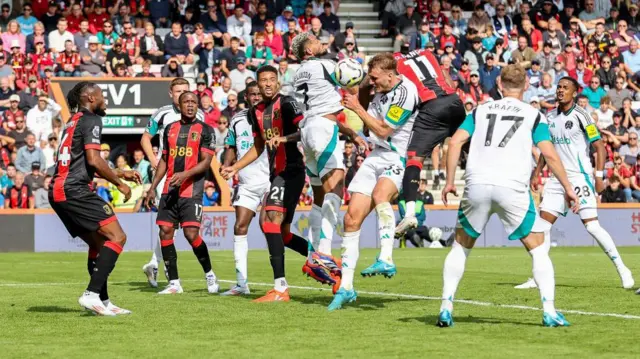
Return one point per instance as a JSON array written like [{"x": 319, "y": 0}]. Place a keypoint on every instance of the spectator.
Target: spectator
[
  {"x": 146, "y": 68},
  {"x": 316, "y": 29},
  {"x": 131, "y": 42},
  {"x": 19, "y": 135},
  {"x": 172, "y": 69},
  {"x": 222, "y": 129},
  {"x": 159, "y": 13},
  {"x": 26, "y": 21},
  {"x": 558, "y": 71},
  {"x": 176, "y": 45},
  {"x": 479, "y": 19},
  {"x": 630, "y": 151},
  {"x": 259, "y": 18},
  {"x": 240, "y": 75},
  {"x": 107, "y": 37},
  {"x": 457, "y": 21},
  {"x": 606, "y": 74},
  {"x": 231, "y": 110},
  {"x": 215, "y": 24},
  {"x": 617, "y": 130},
  {"x": 230, "y": 56},
  {"x": 287, "y": 39},
  {"x": 207, "y": 55},
  {"x": 304, "y": 20},
  {"x": 331, "y": 23},
  {"x": 258, "y": 54},
  {"x": 594, "y": 92},
  {"x": 489, "y": 73},
  {"x": 605, "y": 113},
  {"x": 197, "y": 37},
  {"x": 68, "y": 61},
  {"x": 59, "y": 37},
  {"x": 121, "y": 18},
  {"x": 501, "y": 21},
  {"x": 105, "y": 153},
  {"x": 9, "y": 116},
  {"x": 41, "y": 196},
  {"x": 350, "y": 51},
  {"x": 406, "y": 26},
  {"x": 239, "y": 25},
  {"x": 81, "y": 37},
  {"x": 554, "y": 36},
  {"x": 583, "y": 102},
  {"x": 282, "y": 21},
  {"x": 633, "y": 192},
  {"x": 273, "y": 40},
  {"x": 35, "y": 179},
  {"x": 98, "y": 17},
  {"x": 221, "y": 93},
  {"x": 211, "y": 113},
  {"x": 340, "y": 37},
  {"x": 20, "y": 195},
  {"x": 202, "y": 89},
  {"x": 632, "y": 58},
  {"x": 475, "y": 55},
  {"x": 142, "y": 166},
  {"x": 40, "y": 119},
  {"x": 622, "y": 37},
  {"x": 37, "y": 35},
  {"x": 51, "y": 17},
  {"x": 117, "y": 56},
  {"x": 613, "y": 193},
  {"x": 29, "y": 96},
  {"x": 633, "y": 18},
  {"x": 589, "y": 17},
  {"x": 75, "y": 18},
  {"x": 5, "y": 17},
  {"x": 92, "y": 59},
  {"x": 285, "y": 77},
  {"x": 50, "y": 153},
  {"x": 29, "y": 154},
  {"x": 151, "y": 45},
  {"x": 216, "y": 74},
  {"x": 5, "y": 93},
  {"x": 581, "y": 73},
  {"x": 8, "y": 179},
  {"x": 6, "y": 143},
  {"x": 392, "y": 11},
  {"x": 13, "y": 36},
  {"x": 475, "y": 90},
  {"x": 619, "y": 93}
]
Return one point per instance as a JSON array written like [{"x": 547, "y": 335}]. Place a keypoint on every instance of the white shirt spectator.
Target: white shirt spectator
[
  {"x": 57, "y": 40},
  {"x": 240, "y": 28},
  {"x": 239, "y": 79},
  {"x": 220, "y": 97},
  {"x": 605, "y": 119},
  {"x": 40, "y": 122}
]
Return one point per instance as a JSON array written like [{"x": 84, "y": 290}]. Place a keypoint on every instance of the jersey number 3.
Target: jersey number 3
[{"x": 492, "y": 117}]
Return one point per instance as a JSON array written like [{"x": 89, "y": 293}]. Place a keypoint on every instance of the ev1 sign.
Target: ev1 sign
[{"x": 115, "y": 94}]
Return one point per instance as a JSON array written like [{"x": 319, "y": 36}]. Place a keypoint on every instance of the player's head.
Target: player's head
[
  {"x": 188, "y": 104},
  {"x": 567, "y": 90},
  {"x": 513, "y": 79},
  {"x": 252, "y": 94},
  {"x": 177, "y": 87},
  {"x": 268, "y": 82},
  {"x": 87, "y": 95},
  {"x": 306, "y": 45},
  {"x": 382, "y": 72}
]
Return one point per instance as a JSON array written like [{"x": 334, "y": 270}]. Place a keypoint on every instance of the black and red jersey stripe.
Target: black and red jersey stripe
[
  {"x": 183, "y": 145},
  {"x": 422, "y": 68},
  {"x": 278, "y": 117},
  {"x": 73, "y": 174},
  {"x": 19, "y": 197}
]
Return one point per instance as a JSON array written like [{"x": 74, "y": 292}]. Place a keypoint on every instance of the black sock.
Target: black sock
[
  {"x": 170, "y": 258},
  {"x": 276, "y": 248},
  {"x": 104, "y": 264},
  {"x": 91, "y": 264},
  {"x": 202, "y": 253},
  {"x": 296, "y": 243},
  {"x": 411, "y": 180}
]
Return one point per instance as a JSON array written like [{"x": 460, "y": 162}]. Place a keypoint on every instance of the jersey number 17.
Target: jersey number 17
[{"x": 492, "y": 117}]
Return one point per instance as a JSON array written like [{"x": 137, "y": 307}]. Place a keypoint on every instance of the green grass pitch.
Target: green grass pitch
[{"x": 40, "y": 317}]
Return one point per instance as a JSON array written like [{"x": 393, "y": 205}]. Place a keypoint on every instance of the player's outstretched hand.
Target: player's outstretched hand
[
  {"x": 534, "y": 183},
  {"x": 360, "y": 142},
  {"x": 599, "y": 185},
  {"x": 125, "y": 190},
  {"x": 572, "y": 200},
  {"x": 132, "y": 176},
  {"x": 274, "y": 142},
  {"x": 177, "y": 179},
  {"x": 228, "y": 172},
  {"x": 351, "y": 101},
  {"x": 449, "y": 188},
  {"x": 149, "y": 200}
]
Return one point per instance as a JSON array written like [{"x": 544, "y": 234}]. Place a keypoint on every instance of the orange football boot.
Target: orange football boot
[{"x": 274, "y": 296}]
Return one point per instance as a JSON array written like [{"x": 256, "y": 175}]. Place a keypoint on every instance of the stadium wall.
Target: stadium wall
[{"x": 42, "y": 231}]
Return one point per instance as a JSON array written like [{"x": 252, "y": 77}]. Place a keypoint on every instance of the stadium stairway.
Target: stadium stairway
[{"x": 365, "y": 18}]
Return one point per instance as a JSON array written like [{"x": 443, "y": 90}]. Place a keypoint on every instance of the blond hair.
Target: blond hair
[
  {"x": 513, "y": 77},
  {"x": 384, "y": 61}
]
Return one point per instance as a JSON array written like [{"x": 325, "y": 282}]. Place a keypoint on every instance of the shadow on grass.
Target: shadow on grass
[
  {"x": 557, "y": 285},
  {"x": 432, "y": 319},
  {"x": 53, "y": 309},
  {"x": 140, "y": 286},
  {"x": 364, "y": 303}
]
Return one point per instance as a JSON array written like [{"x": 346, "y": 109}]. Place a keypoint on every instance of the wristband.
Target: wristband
[{"x": 600, "y": 174}]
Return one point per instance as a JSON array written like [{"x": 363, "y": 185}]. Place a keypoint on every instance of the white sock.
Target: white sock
[
  {"x": 157, "y": 253},
  {"x": 452, "y": 273},
  {"x": 350, "y": 254},
  {"x": 386, "y": 229},
  {"x": 240, "y": 251},
  {"x": 315, "y": 225},
  {"x": 543, "y": 274},
  {"x": 605, "y": 241},
  {"x": 281, "y": 284},
  {"x": 436, "y": 173},
  {"x": 330, "y": 210},
  {"x": 175, "y": 282},
  {"x": 210, "y": 274},
  {"x": 410, "y": 209}
]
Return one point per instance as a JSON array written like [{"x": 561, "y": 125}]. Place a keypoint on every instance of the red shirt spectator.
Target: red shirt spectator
[
  {"x": 576, "y": 40},
  {"x": 305, "y": 22},
  {"x": 437, "y": 21},
  {"x": 96, "y": 21},
  {"x": 206, "y": 92},
  {"x": 45, "y": 82},
  {"x": 423, "y": 8},
  {"x": 216, "y": 78},
  {"x": 130, "y": 44},
  {"x": 273, "y": 39},
  {"x": 592, "y": 61},
  {"x": 139, "y": 7},
  {"x": 42, "y": 59},
  {"x": 25, "y": 72},
  {"x": 211, "y": 116},
  {"x": 74, "y": 19},
  {"x": 19, "y": 197},
  {"x": 40, "y": 7},
  {"x": 68, "y": 60},
  {"x": 586, "y": 78},
  {"x": 444, "y": 40},
  {"x": 229, "y": 6},
  {"x": 10, "y": 115}
]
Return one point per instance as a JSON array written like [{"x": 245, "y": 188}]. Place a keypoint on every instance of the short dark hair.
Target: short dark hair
[
  {"x": 251, "y": 84},
  {"x": 235, "y": 39},
  {"x": 6, "y": 6},
  {"x": 573, "y": 81},
  {"x": 267, "y": 68},
  {"x": 186, "y": 93}
]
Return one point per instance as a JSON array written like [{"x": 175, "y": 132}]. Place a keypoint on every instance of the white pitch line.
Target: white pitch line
[{"x": 378, "y": 294}]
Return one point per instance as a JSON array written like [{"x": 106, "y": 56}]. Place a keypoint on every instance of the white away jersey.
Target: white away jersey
[
  {"x": 572, "y": 134},
  {"x": 502, "y": 135},
  {"x": 240, "y": 136},
  {"x": 316, "y": 88},
  {"x": 165, "y": 116},
  {"x": 398, "y": 109}
]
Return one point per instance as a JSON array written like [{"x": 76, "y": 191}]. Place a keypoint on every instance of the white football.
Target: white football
[
  {"x": 435, "y": 234},
  {"x": 349, "y": 72}
]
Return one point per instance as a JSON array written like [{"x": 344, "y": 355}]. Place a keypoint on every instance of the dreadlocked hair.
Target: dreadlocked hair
[{"x": 73, "y": 97}]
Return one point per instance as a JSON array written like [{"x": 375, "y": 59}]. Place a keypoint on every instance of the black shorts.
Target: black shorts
[
  {"x": 284, "y": 194},
  {"x": 174, "y": 211},
  {"x": 83, "y": 213},
  {"x": 437, "y": 120}
]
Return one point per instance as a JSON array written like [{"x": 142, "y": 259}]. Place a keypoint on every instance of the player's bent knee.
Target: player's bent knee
[
  {"x": 166, "y": 231},
  {"x": 352, "y": 222},
  {"x": 240, "y": 229}
]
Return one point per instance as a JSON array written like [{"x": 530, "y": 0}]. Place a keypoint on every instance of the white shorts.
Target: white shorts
[
  {"x": 515, "y": 209},
  {"x": 381, "y": 163},
  {"x": 250, "y": 197},
  {"x": 321, "y": 148},
  {"x": 553, "y": 200}
]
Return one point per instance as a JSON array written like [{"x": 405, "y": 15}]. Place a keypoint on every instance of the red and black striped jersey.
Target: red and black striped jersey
[
  {"x": 73, "y": 174},
  {"x": 19, "y": 197},
  {"x": 422, "y": 68},
  {"x": 183, "y": 145},
  {"x": 279, "y": 117}
]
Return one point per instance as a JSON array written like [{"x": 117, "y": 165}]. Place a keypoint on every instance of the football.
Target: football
[
  {"x": 435, "y": 234},
  {"x": 349, "y": 73}
]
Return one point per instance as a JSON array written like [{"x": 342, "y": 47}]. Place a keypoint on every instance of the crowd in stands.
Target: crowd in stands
[{"x": 226, "y": 41}]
